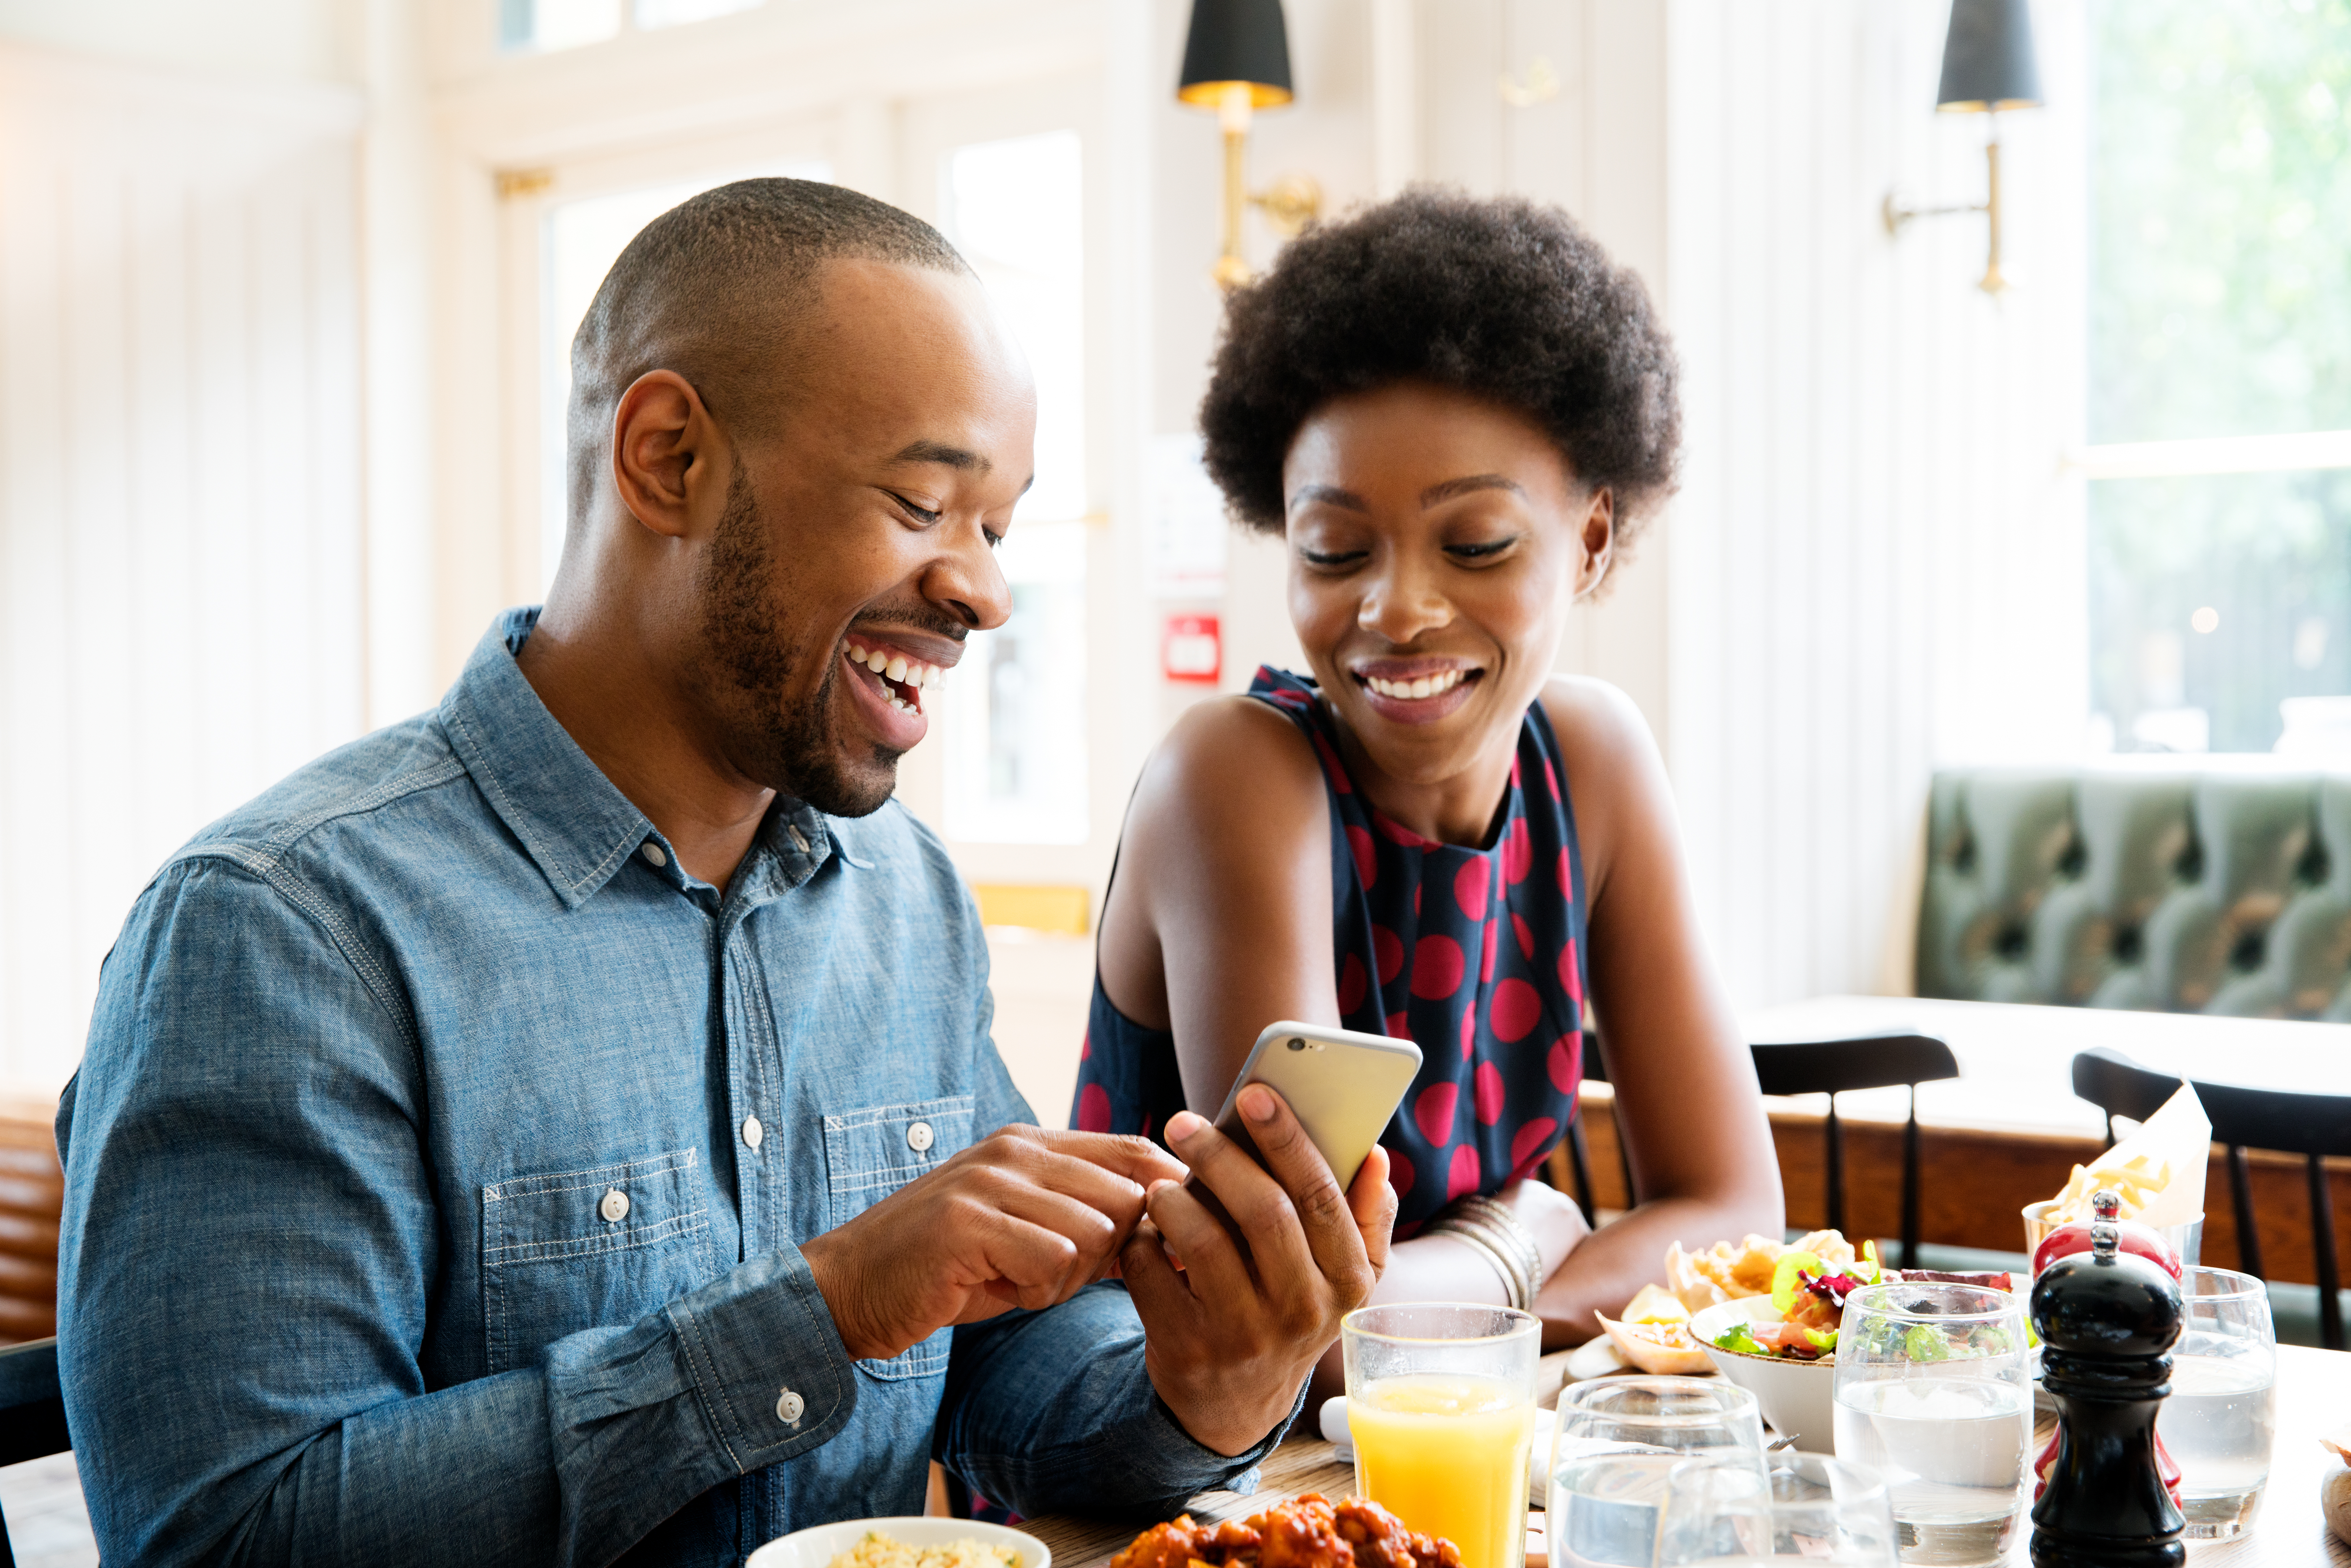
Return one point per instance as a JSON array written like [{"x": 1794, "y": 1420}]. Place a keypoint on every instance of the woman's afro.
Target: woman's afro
[{"x": 1498, "y": 296}]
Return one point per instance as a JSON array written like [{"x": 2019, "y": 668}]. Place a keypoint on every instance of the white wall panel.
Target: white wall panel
[
  {"x": 180, "y": 607},
  {"x": 1874, "y": 568}
]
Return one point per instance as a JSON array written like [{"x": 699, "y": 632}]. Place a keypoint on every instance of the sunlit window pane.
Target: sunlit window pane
[
  {"x": 2213, "y": 600},
  {"x": 1013, "y": 209},
  {"x": 2220, "y": 227},
  {"x": 652, "y": 14},
  {"x": 578, "y": 245},
  {"x": 1015, "y": 713},
  {"x": 556, "y": 23}
]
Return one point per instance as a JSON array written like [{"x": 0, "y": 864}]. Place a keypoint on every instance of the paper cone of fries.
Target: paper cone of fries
[{"x": 2158, "y": 1172}]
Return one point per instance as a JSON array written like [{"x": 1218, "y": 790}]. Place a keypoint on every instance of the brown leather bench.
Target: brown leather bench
[{"x": 32, "y": 1195}]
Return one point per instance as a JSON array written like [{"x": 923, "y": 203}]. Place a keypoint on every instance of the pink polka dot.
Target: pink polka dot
[
  {"x": 1399, "y": 1026},
  {"x": 1566, "y": 1063},
  {"x": 1094, "y": 1109},
  {"x": 1401, "y": 1175},
  {"x": 1570, "y": 979},
  {"x": 1367, "y": 860},
  {"x": 1514, "y": 771},
  {"x": 1526, "y": 935},
  {"x": 1469, "y": 1030},
  {"x": 1433, "y": 1113},
  {"x": 1489, "y": 1093},
  {"x": 1518, "y": 851},
  {"x": 1566, "y": 875},
  {"x": 1550, "y": 780},
  {"x": 1415, "y": 901},
  {"x": 1397, "y": 833},
  {"x": 1352, "y": 984},
  {"x": 1529, "y": 1144},
  {"x": 1086, "y": 1046},
  {"x": 1437, "y": 967},
  {"x": 1462, "y": 1179},
  {"x": 1485, "y": 957},
  {"x": 1470, "y": 888},
  {"x": 1517, "y": 1008},
  {"x": 1387, "y": 952}
]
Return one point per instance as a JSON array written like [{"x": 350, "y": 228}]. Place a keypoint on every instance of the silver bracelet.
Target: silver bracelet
[
  {"x": 1511, "y": 1231},
  {"x": 1513, "y": 1283}
]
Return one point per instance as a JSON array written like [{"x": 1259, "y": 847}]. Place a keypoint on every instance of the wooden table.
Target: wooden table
[
  {"x": 2009, "y": 1131},
  {"x": 2314, "y": 1397}
]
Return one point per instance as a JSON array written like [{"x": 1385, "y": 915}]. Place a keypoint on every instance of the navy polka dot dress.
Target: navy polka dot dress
[{"x": 1477, "y": 954}]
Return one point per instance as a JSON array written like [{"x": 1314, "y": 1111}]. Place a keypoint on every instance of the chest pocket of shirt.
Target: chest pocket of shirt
[
  {"x": 583, "y": 1248},
  {"x": 870, "y": 1154}
]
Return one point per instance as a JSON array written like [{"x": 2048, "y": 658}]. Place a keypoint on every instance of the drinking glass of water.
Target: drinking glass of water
[
  {"x": 1614, "y": 1449},
  {"x": 1933, "y": 1392},
  {"x": 1806, "y": 1509},
  {"x": 2220, "y": 1417}
]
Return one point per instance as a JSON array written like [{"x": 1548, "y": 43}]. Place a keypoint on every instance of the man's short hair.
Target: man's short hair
[{"x": 714, "y": 289}]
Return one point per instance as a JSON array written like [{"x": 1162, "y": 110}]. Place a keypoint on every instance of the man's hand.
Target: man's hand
[
  {"x": 1229, "y": 1338},
  {"x": 1026, "y": 1219}
]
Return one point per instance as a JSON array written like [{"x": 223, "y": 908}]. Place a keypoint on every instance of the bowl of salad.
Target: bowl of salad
[{"x": 1782, "y": 1346}]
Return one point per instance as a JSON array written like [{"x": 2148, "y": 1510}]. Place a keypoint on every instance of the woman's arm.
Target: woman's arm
[{"x": 1686, "y": 1097}]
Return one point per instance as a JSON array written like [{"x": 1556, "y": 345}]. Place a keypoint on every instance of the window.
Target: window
[
  {"x": 2219, "y": 374},
  {"x": 566, "y": 23},
  {"x": 1014, "y": 715}
]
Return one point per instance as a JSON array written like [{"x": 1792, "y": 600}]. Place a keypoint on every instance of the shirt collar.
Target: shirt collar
[{"x": 575, "y": 825}]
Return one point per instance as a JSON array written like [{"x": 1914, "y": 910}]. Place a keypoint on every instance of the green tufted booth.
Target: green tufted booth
[{"x": 2214, "y": 887}]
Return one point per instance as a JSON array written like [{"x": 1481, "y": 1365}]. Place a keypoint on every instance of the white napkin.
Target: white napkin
[{"x": 2161, "y": 1166}]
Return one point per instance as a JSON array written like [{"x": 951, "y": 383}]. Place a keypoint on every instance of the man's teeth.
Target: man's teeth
[
  {"x": 897, "y": 667},
  {"x": 1425, "y": 686}
]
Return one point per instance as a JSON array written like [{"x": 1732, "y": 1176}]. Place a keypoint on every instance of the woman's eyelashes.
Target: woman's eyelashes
[{"x": 1483, "y": 549}]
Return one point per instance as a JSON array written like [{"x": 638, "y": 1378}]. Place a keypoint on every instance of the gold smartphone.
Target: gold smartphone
[{"x": 1341, "y": 1085}]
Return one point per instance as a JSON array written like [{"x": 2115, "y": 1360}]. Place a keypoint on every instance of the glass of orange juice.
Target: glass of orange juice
[{"x": 1441, "y": 1404}]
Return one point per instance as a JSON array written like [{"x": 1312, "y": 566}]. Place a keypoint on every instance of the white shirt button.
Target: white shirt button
[
  {"x": 752, "y": 1132},
  {"x": 800, "y": 840},
  {"x": 788, "y": 1407},
  {"x": 919, "y": 1137},
  {"x": 653, "y": 854},
  {"x": 614, "y": 1208}
]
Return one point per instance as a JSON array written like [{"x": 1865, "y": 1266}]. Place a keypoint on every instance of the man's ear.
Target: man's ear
[
  {"x": 1598, "y": 541},
  {"x": 665, "y": 451}
]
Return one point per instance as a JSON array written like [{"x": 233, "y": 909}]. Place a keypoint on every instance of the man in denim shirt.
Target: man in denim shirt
[{"x": 563, "y": 1127}]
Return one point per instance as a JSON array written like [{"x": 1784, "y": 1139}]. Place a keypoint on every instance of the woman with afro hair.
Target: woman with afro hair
[{"x": 1456, "y": 413}]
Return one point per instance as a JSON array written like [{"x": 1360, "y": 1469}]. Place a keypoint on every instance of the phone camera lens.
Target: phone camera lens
[{"x": 1298, "y": 1045}]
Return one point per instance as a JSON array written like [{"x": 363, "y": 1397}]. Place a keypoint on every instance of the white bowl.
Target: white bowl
[
  {"x": 1795, "y": 1394},
  {"x": 818, "y": 1545}
]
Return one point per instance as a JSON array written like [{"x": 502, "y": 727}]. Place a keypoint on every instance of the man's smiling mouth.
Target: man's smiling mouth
[{"x": 903, "y": 679}]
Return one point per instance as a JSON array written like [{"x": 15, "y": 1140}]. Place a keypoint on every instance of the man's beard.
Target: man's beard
[{"x": 785, "y": 745}]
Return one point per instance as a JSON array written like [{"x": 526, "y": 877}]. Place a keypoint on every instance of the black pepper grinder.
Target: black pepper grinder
[{"x": 2107, "y": 1320}]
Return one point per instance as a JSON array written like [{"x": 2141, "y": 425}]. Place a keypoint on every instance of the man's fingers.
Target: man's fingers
[
  {"x": 1153, "y": 1282},
  {"x": 1304, "y": 1218},
  {"x": 1212, "y": 1262},
  {"x": 1373, "y": 1203},
  {"x": 1139, "y": 1160}
]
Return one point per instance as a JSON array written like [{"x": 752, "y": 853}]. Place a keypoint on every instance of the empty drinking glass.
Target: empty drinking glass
[
  {"x": 1806, "y": 1509},
  {"x": 2220, "y": 1417},
  {"x": 1614, "y": 1449},
  {"x": 1933, "y": 1393}
]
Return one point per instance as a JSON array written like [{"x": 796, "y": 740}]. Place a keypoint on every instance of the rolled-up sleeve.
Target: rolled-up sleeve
[
  {"x": 1053, "y": 1411},
  {"x": 250, "y": 1246}
]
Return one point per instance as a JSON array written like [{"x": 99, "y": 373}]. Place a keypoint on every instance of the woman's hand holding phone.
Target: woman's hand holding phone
[{"x": 1229, "y": 1338}]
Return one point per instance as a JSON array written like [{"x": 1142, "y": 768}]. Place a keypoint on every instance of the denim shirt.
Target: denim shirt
[{"x": 435, "y": 1169}]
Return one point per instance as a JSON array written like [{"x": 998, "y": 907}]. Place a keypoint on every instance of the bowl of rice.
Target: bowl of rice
[{"x": 904, "y": 1543}]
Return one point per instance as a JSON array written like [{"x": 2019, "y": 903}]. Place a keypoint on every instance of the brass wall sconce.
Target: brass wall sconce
[
  {"x": 1237, "y": 61},
  {"x": 1988, "y": 66}
]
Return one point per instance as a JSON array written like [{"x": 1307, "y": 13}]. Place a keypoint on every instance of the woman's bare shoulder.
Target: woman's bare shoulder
[
  {"x": 1615, "y": 776},
  {"x": 1228, "y": 762}
]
